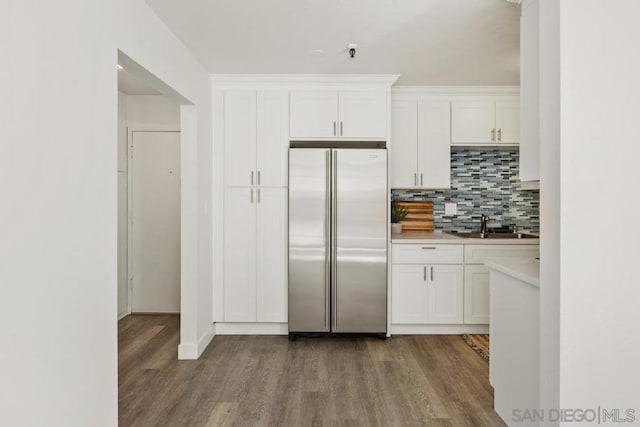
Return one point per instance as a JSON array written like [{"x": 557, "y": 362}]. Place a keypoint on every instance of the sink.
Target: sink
[{"x": 492, "y": 235}]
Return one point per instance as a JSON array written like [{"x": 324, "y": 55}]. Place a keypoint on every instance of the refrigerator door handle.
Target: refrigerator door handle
[
  {"x": 334, "y": 242},
  {"x": 327, "y": 234}
]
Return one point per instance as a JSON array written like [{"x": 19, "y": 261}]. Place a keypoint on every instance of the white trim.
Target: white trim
[
  {"x": 231, "y": 328},
  {"x": 455, "y": 90},
  {"x": 307, "y": 79},
  {"x": 192, "y": 351},
  {"x": 438, "y": 329},
  {"x": 123, "y": 315},
  {"x": 489, "y": 145}
]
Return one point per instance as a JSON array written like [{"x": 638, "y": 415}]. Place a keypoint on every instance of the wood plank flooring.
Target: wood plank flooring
[{"x": 270, "y": 381}]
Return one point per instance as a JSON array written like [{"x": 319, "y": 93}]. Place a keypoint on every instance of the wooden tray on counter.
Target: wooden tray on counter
[{"x": 419, "y": 219}]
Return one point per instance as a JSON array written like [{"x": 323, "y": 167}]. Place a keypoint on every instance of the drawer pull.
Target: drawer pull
[{"x": 429, "y": 247}]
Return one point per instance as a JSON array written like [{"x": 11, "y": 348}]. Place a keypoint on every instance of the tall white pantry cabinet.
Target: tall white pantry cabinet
[{"x": 256, "y": 140}]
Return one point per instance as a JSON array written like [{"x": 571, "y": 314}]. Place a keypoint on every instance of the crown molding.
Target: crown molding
[
  {"x": 412, "y": 91},
  {"x": 305, "y": 79}
]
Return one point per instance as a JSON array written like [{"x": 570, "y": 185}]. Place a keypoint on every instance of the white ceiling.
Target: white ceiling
[
  {"x": 435, "y": 42},
  {"x": 132, "y": 85}
]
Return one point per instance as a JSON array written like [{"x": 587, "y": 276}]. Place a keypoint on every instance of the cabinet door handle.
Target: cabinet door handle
[
  {"x": 415, "y": 179},
  {"x": 258, "y": 198},
  {"x": 421, "y": 183},
  {"x": 431, "y": 272},
  {"x": 424, "y": 273},
  {"x": 493, "y": 135},
  {"x": 258, "y": 177},
  {"x": 252, "y": 195},
  {"x": 500, "y": 135},
  {"x": 341, "y": 132},
  {"x": 251, "y": 177},
  {"x": 334, "y": 128}
]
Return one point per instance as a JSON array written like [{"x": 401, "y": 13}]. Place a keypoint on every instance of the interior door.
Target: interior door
[
  {"x": 360, "y": 240},
  {"x": 403, "y": 163},
  {"x": 309, "y": 239},
  {"x": 155, "y": 228}
]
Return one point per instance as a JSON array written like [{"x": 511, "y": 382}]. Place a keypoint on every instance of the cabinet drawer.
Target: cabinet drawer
[
  {"x": 427, "y": 254},
  {"x": 478, "y": 254}
]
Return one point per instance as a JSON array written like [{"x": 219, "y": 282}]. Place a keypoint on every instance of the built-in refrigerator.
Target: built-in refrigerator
[{"x": 337, "y": 240}]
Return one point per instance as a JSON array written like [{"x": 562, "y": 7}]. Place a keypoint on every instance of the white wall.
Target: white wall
[
  {"x": 148, "y": 111},
  {"x": 58, "y": 186},
  {"x": 589, "y": 186}
]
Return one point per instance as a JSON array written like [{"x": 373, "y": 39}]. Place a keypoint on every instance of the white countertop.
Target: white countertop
[
  {"x": 444, "y": 238},
  {"x": 524, "y": 269}
]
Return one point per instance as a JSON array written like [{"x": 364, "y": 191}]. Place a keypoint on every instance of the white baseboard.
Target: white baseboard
[
  {"x": 438, "y": 329},
  {"x": 123, "y": 315},
  {"x": 192, "y": 351},
  {"x": 233, "y": 328}
]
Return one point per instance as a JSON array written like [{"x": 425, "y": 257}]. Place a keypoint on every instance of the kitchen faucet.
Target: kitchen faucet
[{"x": 483, "y": 224}]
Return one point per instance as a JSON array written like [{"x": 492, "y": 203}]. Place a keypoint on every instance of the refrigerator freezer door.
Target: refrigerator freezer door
[
  {"x": 309, "y": 240},
  {"x": 360, "y": 235}
]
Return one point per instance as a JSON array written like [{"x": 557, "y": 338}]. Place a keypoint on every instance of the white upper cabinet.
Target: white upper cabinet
[
  {"x": 485, "y": 120},
  {"x": 256, "y": 137},
  {"x": 434, "y": 150},
  {"x": 334, "y": 115},
  {"x": 314, "y": 114},
  {"x": 272, "y": 138},
  {"x": 403, "y": 162},
  {"x": 239, "y": 137},
  {"x": 508, "y": 120},
  {"x": 362, "y": 115},
  {"x": 420, "y": 150},
  {"x": 530, "y": 91}
]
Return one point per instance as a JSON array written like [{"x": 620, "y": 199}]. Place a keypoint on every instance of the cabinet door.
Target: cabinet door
[
  {"x": 240, "y": 255},
  {"x": 239, "y": 137},
  {"x": 272, "y": 255},
  {"x": 508, "y": 120},
  {"x": 476, "y": 294},
  {"x": 272, "y": 138},
  {"x": 409, "y": 294},
  {"x": 473, "y": 121},
  {"x": 434, "y": 144},
  {"x": 362, "y": 115},
  {"x": 314, "y": 114},
  {"x": 445, "y": 294},
  {"x": 404, "y": 144}
]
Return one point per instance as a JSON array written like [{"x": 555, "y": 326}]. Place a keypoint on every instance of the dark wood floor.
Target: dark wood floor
[{"x": 267, "y": 380}]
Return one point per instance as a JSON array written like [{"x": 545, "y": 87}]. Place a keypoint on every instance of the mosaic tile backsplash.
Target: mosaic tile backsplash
[{"x": 483, "y": 181}]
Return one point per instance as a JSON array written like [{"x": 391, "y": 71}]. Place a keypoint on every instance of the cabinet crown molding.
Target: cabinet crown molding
[
  {"x": 454, "y": 90},
  {"x": 306, "y": 79}
]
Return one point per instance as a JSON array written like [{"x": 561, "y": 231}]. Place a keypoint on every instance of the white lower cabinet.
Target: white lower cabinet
[
  {"x": 255, "y": 251},
  {"x": 445, "y": 284},
  {"x": 445, "y": 294},
  {"x": 427, "y": 294},
  {"x": 476, "y": 294}
]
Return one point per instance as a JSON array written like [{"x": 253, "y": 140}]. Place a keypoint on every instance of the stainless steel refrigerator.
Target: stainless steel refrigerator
[{"x": 337, "y": 240}]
